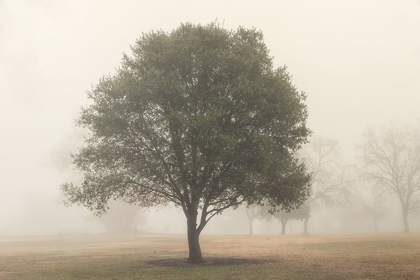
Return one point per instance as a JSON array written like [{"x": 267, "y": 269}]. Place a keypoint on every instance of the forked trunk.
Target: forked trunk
[{"x": 193, "y": 241}]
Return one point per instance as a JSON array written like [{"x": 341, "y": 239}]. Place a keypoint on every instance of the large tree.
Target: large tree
[
  {"x": 196, "y": 117},
  {"x": 391, "y": 158}
]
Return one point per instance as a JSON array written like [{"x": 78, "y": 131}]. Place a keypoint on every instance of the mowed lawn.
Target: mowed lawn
[{"x": 392, "y": 256}]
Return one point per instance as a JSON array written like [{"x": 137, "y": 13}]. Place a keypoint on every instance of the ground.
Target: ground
[{"x": 390, "y": 256}]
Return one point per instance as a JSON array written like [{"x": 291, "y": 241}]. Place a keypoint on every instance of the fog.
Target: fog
[{"x": 357, "y": 61}]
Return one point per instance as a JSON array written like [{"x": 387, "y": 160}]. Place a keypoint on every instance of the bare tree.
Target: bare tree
[
  {"x": 391, "y": 158},
  {"x": 331, "y": 179}
]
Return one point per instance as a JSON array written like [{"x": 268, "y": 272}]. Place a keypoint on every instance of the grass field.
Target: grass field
[{"x": 254, "y": 257}]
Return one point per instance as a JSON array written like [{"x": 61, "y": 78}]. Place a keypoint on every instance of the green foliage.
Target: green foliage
[{"x": 197, "y": 117}]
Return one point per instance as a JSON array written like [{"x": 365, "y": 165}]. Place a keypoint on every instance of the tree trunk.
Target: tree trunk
[
  {"x": 193, "y": 240},
  {"x": 283, "y": 227},
  {"x": 405, "y": 219},
  {"x": 305, "y": 225}
]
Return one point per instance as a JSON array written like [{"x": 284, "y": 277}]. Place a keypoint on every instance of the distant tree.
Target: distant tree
[
  {"x": 122, "y": 218},
  {"x": 61, "y": 157},
  {"x": 251, "y": 213},
  {"x": 391, "y": 158},
  {"x": 197, "y": 117},
  {"x": 377, "y": 209},
  {"x": 360, "y": 213},
  {"x": 296, "y": 214},
  {"x": 282, "y": 215},
  {"x": 331, "y": 179}
]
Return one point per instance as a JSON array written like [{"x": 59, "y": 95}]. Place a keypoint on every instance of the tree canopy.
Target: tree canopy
[{"x": 197, "y": 117}]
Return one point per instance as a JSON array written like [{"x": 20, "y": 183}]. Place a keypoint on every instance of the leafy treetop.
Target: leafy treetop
[{"x": 197, "y": 117}]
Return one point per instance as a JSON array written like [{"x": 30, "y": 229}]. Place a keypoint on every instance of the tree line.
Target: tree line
[{"x": 387, "y": 165}]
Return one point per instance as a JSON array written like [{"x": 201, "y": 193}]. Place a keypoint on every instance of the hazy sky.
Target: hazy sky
[{"x": 357, "y": 60}]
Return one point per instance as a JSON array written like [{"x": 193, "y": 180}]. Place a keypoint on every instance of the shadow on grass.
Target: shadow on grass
[{"x": 209, "y": 262}]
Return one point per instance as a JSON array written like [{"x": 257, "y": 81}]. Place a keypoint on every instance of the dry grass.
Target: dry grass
[{"x": 273, "y": 257}]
